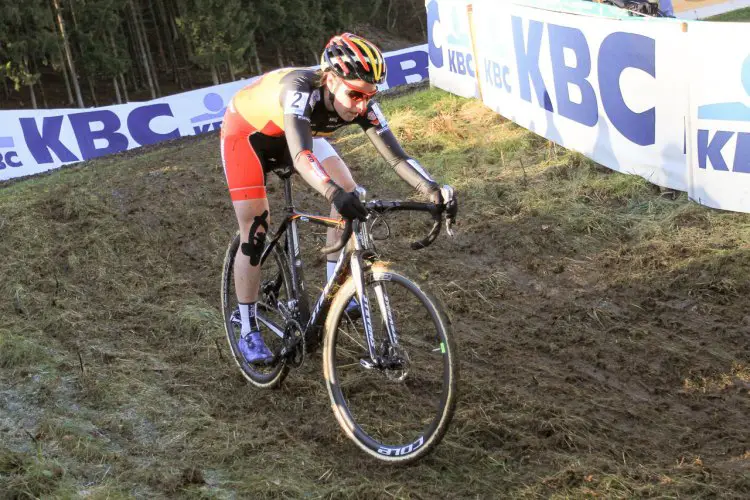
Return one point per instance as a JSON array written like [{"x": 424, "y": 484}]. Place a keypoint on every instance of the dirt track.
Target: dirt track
[{"x": 593, "y": 362}]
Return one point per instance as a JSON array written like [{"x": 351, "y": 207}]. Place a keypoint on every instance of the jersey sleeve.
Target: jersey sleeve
[
  {"x": 377, "y": 130},
  {"x": 298, "y": 98}
]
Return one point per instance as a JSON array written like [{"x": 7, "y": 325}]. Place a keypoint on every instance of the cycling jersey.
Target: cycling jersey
[{"x": 273, "y": 121}]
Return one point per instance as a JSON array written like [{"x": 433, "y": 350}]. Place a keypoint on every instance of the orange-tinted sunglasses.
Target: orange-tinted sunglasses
[{"x": 356, "y": 94}]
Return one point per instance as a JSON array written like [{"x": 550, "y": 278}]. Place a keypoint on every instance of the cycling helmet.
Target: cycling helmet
[{"x": 353, "y": 58}]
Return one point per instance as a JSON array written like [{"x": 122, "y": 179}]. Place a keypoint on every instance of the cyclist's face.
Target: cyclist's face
[{"x": 351, "y": 97}]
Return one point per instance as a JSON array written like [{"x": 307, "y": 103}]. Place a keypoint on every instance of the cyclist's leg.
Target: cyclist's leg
[
  {"x": 340, "y": 174},
  {"x": 244, "y": 173}
]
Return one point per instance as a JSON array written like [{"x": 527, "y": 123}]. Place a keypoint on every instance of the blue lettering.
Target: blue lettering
[
  {"x": 86, "y": 137},
  {"x": 397, "y": 73},
  {"x": 40, "y": 144},
  {"x": 452, "y": 61},
  {"x": 460, "y": 63},
  {"x": 618, "y": 52},
  {"x": 202, "y": 129},
  {"x": 139, "y": 124},
  {"x": 488, "y": 73},
  {"x": 712, "y": 150},
  {"x": 527, "y": 61},
  {"x": 433, "y": 18},
  {"x": 496, "y": 74},
  {"x": 216, "y": 125},
  {"x": 10, "y": 161},
  {"x": 560, "y": 38},
  {"x": 741, "y": 153}
]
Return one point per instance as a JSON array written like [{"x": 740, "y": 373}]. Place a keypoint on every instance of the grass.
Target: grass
[
  {"x": 735, "y": 16},
  {"x": 601, "y": 325}
]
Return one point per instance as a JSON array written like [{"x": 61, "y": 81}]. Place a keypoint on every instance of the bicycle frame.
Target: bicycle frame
[{"x": 311, "y": 322}]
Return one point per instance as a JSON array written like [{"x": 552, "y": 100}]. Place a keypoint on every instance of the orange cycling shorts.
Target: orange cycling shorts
[{"x": 242, "y": 166}]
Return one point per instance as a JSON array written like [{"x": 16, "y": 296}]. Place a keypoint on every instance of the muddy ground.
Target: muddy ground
[{"x": 594, "y": 362}]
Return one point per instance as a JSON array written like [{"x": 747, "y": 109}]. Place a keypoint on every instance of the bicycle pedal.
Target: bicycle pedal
[{"x": 367, "y": 363}]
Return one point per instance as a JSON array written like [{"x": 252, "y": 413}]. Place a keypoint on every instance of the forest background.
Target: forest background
[{"x": 80, "y": 53}]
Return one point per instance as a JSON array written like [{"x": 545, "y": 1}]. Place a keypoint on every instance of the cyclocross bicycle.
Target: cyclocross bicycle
[{"x": 389, "y": 358}]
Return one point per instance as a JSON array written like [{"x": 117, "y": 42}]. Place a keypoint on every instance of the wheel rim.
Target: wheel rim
[{"x": 392, "y": 413}]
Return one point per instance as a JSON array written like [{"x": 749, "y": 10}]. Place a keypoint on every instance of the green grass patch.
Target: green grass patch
[
  {"x": 735, "y": 16},
  {"x": 600, "y": 324}
]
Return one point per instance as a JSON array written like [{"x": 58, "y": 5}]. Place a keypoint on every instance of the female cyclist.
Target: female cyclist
[{"x": 278, "y": 120}]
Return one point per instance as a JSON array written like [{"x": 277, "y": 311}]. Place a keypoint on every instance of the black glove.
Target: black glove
[
  {"x": 348, "y": 205},
  {"x": 446, "y": 196}
]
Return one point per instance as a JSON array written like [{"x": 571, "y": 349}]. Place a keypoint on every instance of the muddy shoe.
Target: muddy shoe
[{"x": 254, "y": 349}]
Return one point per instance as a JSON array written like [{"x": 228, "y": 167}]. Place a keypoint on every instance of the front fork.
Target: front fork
[{"x": 361, "y": 244}]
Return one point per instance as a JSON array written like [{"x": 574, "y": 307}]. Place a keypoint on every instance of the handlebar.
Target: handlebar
[
  {"x": 345, "y": 235},
  {"x": 380, "y": 207}
]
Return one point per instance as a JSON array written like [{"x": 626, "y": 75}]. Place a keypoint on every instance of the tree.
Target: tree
[
  {"x": 216, "y": 31},
  {"x": 26, "y": 27},
  {"x": 66, "y": 49}
]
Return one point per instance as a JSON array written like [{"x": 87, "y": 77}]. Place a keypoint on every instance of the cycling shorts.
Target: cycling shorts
[{"x": 246, "y": 163}]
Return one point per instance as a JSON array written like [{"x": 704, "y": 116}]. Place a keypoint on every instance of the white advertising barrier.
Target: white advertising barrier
[
  {"x": 603, "y": 87},
  {"x": 719, "y": 136},
  {"x": 450, "y": 50},
  {"x": 34, "y": 141}
]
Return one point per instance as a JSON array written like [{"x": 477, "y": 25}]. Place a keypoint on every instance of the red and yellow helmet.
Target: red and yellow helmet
[{"x": 353, "y": 58}]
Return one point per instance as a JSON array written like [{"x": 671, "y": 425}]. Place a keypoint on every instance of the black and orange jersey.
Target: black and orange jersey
[{"x": 283, "y": 110}]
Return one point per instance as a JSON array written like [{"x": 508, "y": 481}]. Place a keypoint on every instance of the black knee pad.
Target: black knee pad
[{"x": 256, "y": 241}]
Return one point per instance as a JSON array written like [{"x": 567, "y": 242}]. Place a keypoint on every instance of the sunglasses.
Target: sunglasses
[{"x": 358, "y": 95}]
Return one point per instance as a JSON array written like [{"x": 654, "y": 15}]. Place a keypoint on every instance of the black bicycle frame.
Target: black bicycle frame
[{"x": 309, "y": 321}]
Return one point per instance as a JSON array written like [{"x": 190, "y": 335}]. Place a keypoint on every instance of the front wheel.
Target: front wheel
[{"x": 397, "y": 405}]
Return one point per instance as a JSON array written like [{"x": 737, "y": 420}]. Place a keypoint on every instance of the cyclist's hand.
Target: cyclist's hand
[
  {"x": 446, "y": 196},
  {"x": 349, "y": 205}
]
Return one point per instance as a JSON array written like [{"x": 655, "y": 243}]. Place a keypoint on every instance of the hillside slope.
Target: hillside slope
[{"x": 602, "y": 326}]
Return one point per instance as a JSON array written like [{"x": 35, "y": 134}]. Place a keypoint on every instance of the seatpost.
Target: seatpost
[{"x": 288, "y": 194}]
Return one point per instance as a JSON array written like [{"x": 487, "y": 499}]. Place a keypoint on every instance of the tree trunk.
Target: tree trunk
[
  {"x": 258, "y": 66},
  {"x": 118, "y": 97},
  {"x": 41, "y": 87},
  {"x": 122, "y": 79},
  {"x": 33, "y": 96},
  {"x": 375, "y": 8},
  {"x": 159, "y": 44},
  {"x": 135, "y": 56},
  {"x": 230, "y": 67},
  {"x": 166, "y": 23},
  {"x": 388, "y": 24},
  {"x": 68, "y": 91},
  {"x": 214, "y": 74},
  {"x": 142, "y": 50},
  {"x": 151, "y": 65},
  {"x": 27, "y": 70},
  {"x": 124, "y": 87},
  {"x": 278, "y": 55},
  {"x": 92, "y": 89},
  {"x": 68, "y": 56},
  {"x": 5, "y": 88}
]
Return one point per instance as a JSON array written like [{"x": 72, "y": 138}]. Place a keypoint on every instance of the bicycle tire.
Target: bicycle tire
[
  {"x": 266, "y": 377},
  {"x": 422, "y": 441}
]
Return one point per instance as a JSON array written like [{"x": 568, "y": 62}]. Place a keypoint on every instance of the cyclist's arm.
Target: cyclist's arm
[
  {"x": 298, "y": 104},
  {"x": 376, "y": 128}
]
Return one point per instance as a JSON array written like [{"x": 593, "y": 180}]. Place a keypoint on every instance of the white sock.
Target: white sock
[
  {"x": 330, "y": 267},
  {"x": 249, "y": 319}
]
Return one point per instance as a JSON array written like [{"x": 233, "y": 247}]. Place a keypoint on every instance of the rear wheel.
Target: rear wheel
[
  {"x": 275, "y": 287},
  {"x": 399, "y": 409}
]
